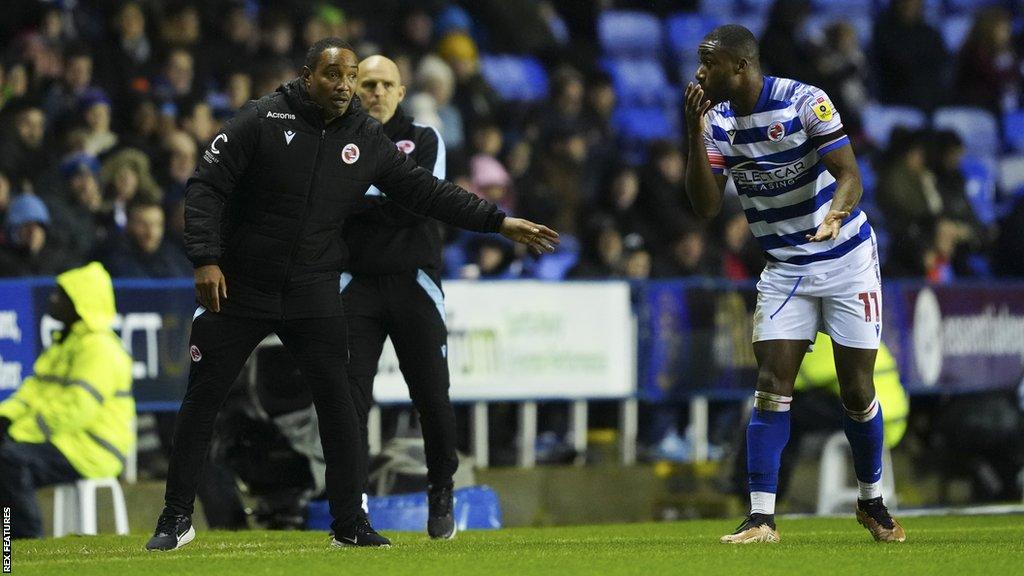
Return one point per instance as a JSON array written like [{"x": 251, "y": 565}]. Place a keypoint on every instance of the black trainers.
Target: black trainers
[
  {"x": 172, "y": 532},
  {"x": 873, "y": 515},
  {"x": 441, "y": 519},
  {"x": 361, "y": 534},
  {"x": 756, "y": 528}
]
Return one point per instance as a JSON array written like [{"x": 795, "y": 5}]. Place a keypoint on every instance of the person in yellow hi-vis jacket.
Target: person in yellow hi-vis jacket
[
  {"x": 72, "y": 418},
  {"x": 820, "y": 410}
]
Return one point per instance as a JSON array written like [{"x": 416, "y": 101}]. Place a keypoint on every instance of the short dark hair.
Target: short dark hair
[
  {"x": 318, "y": 47},
  {"x": 737, "y": 40},
  {"x": 142, "y": 204}
]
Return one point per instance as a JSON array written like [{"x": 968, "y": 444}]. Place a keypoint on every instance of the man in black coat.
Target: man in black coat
[
  {"x": 262, "y": 215},
  {"x": 392, "y": 287}
]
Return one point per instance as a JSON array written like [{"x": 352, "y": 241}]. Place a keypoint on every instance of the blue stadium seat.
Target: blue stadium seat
[
  {"x": 685, "y": 31},
  {"x": 859, "y": 7},
  {"x": 641, "y": 82},
  {"x": 954, "y": 30},
  {"x": 975, "y": 126},
  {"x": 753, "y": 22},
  {"x": 879, "y": 120},
  {"x": 629, "y": 33},
  {"x": 1011, "y": 173},
  {"x": 555, "y": 266},
  {"x": 757, "y": 6},
  {"x": 980, "y": 187},
  {"x": 969, "y": 6},
  {"x": 645, "y": 123},
  {"x": 1011, "y": 183},
  {"x": 515, "y": 78},
  {"x": 723, "y": 9},
  {"x": 1013, "y": 130}
]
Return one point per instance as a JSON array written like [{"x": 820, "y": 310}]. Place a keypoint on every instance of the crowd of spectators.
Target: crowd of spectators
[{"x": 105, "y": 104}]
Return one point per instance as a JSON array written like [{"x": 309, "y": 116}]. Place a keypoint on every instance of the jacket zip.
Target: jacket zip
[{"x": 305, "y": 215}]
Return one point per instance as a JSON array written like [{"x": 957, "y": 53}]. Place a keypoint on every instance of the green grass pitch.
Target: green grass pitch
[{"x": 992, "y": 545}]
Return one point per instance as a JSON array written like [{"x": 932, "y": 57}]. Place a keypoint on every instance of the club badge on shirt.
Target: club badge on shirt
[
  {"x": 406, "y": 146},
  {"x": 350, "y": 153}
]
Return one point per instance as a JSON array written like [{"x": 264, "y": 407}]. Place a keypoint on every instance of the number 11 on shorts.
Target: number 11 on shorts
[{"x": 869, "y": 298}]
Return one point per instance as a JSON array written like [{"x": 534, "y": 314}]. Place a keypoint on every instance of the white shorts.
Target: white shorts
[{"x": 845, "y": 303}]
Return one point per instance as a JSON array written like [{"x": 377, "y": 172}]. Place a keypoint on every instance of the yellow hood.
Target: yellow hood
[{"x": 92, "y": 293}]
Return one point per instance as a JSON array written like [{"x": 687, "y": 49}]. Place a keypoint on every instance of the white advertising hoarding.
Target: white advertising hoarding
[{"x": 526, "y": 340}]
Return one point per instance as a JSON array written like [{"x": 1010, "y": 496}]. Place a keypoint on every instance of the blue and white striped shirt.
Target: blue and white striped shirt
[{"x": 778, "y": 170}]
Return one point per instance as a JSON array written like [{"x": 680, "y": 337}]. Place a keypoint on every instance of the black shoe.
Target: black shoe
[
  {"x": 172, "y": 532},
  {"x": 873, "y": 515},
  {"x": 360, "y": 534},
  {"x": 756, "y": 528},
  {"x": 441, "y": 520}
]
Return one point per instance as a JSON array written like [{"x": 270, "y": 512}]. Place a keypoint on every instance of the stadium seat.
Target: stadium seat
[
  {"x": 879, "y": 120},
  {"x": 954, "y": 30},
  {"x": 757, "y": 6},
  {"x": 685, "y": 31},
  {"x": 976, "y": 127},
  {"x": 515, "y": 78},
  {"x": 980, "y": 187},
  {"x": 1011, "y": 183},
  {"x": 1013, "y": 130},
  {"x": 639, "y": 125},
  {"x": 555, "y": 266},
  {"x": 641, "y": 82},
  {"x": 970, "y": 6},
  {"x": 1011, "y": 173},
  {"x": 645, "y": 123},
  {"x": 723, "y": 9},
  {"x": 629, "y": 33},
  {"x": 753, "y": 22},
  {"x": 74, "y": 507},
  {"x": 834, "y": 494},
  {"x": 849, "y": 7}
]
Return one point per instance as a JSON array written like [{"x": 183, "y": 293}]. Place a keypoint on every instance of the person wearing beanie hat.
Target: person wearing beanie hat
[
  {"x": 28, "y": 252},
  {"x": 95, "y": 110}
]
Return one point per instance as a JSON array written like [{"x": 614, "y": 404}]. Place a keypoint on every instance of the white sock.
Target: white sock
[
  {"x": 869, "y": 490},
  {"x": 762, "y": 503},
  {"x": 366, "y": 507}
]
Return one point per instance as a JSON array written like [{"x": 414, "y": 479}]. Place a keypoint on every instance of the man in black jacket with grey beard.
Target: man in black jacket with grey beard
[
  {"x": 392, "y": 287},
  {"x": 262, "y": 215}
]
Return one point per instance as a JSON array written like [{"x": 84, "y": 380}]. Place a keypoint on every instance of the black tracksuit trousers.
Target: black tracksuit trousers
[
  {"x": 408, "y": 307},
  {"x": 220, "y": 345}
]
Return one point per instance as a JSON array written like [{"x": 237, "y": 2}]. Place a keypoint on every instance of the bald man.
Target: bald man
[{"x": 392, "y": 287}]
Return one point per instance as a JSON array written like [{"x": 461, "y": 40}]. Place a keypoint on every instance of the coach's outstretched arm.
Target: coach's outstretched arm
[
  {"x": 420, "y": 191},
  {"x": 842, "y": 165},
  {"x": 704, "y": 187}
]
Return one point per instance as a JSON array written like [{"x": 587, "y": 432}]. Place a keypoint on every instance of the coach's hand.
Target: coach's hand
[
  {"x": 537, "y": 237},
  {"x": 829, "y": 229},
  {"x": 696, "y": 107},
  {"x": 211, "y": 287}
]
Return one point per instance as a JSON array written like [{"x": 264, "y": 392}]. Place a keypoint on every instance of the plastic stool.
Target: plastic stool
[
  {"x": 74, "y": 507},
  {"x": 834, "y": 495}
]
